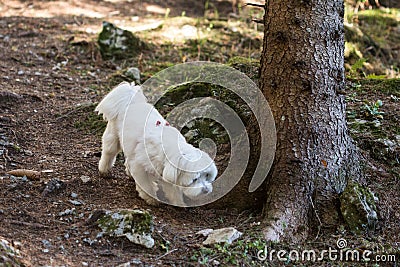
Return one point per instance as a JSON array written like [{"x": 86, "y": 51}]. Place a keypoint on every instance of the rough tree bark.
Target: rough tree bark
[{"x": 302, "y": 77}]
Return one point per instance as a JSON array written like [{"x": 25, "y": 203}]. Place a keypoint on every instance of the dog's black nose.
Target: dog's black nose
[{"x": 206, "y": 190}]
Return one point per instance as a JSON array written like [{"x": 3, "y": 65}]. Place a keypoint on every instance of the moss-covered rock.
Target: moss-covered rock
[
  {"x": 249, "y": 66},
  {"x": 131, "y": 74},
  {"x": 116, "y": 43},
  {"x": 357, "y": 205},
  {"x": 201, "y": 128},
  {"x": 136, "y": 225}
]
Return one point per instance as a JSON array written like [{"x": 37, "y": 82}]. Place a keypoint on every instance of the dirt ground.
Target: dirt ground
[{"x": 50, "y": 69}]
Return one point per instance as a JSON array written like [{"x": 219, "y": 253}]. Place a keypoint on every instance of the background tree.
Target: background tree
[{"x": 302, "y": 77}]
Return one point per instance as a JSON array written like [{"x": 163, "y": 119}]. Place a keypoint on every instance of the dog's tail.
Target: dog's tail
[{"x": 117, "y": 101}]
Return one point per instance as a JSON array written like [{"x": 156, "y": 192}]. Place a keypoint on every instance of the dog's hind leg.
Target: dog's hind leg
[{"x": 110, "y": 148}]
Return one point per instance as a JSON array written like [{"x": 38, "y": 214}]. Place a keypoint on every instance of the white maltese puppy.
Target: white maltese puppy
[{"x": 165, "y": 167}]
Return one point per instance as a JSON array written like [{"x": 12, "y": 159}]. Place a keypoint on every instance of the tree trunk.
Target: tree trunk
[{"x": 302, "y": 77}]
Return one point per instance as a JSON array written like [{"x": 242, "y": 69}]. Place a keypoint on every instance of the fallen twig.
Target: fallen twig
[
  {"x": 167, "y": 253},
  {"x": 253, "y": 4}
]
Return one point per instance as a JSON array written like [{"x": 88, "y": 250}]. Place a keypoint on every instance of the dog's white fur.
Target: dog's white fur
[{"x": 156, "y": 154}]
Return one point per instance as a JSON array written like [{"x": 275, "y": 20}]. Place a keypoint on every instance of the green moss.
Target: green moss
[
  {"x": 373, "y": 35},
  {"x": 357, "y": 205},
  {"x": 199, "y": 129},
  {"x": 249, "y": 66},
  {"x": 243, "y": 252},
  {"x": 136, "y": 225},
  {"x": 387, "y": 86},
  {"x": 127, "y": 221},
  {"x": 116, "y": 43},
  {"x": 376, "y": 129},
  {"x": 87, "y": 120},
  {"x": 380, "y": 17}
]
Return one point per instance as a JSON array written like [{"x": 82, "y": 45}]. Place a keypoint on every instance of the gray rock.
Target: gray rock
[
  {"x": 85, "y": 179},
  {"x": 116, "y": 43},
  {"x": 136, "y": 225},
  {"x": 205, "y": 232},
  {"x": 133, "y": 74},
  {"x": 223, "y": 235},
  {"x": 76, "y": 202}
]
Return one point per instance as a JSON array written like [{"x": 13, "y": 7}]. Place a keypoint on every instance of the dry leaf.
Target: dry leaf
[
  {"x": 324, "y": 163},
  {"x": 30, "y": 174}
]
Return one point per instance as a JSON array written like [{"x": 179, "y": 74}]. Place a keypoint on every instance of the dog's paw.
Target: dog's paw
[
  {"x": 153, "y": 202},
  {"x": 106, "y": 175},
  {"x": 146, "y": 197}
]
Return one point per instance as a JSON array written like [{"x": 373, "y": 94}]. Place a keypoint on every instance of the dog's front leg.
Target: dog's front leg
[
  {"x": 142, "y": 177},
  {"x": 173, "y": 194}
]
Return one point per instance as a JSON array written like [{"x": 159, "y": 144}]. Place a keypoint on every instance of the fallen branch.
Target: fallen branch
[
  {"x": 258, "y": 21},
  {"x": 253, "y": 4}
]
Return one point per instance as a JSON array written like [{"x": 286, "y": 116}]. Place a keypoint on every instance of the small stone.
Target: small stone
[
  {"x": 85, "y": 179},
  {"x": 205, "y": 232},
  {"x": 360, "y": 121},
  {"x": 133, "y": 262},
  {"x": 66, "y": 212},
  {"x": 224, "y": 235},
  {"x": 52, "y": 186},
  {"x": 46, "y": 243},
  {"x": 216, "y": 263},
  {"x": 76, "y": 202},
  {"x": 28, "y": 153},
  {"x": 376, "y": 123},
  {"x": 74, "y": 195},
  {"x": 133, "y": 74},
  {"x": 89, "y": 241}
]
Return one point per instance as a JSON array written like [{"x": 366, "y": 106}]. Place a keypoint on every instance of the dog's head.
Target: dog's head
[{"x": 192, "y": 171}]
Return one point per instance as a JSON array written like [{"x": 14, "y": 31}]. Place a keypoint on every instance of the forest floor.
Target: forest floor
[{"x": 51, "y": 71}]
